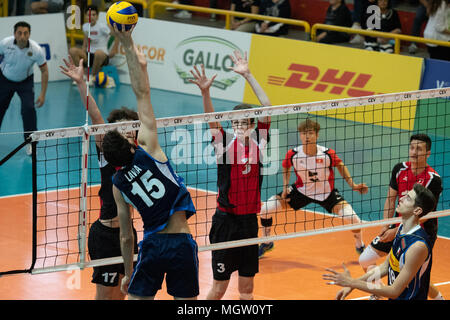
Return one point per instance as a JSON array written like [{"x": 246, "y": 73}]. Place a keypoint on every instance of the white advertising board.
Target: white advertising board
[
  {"x": 172, "y": 50},
  {"x": 50, "y": 32}
]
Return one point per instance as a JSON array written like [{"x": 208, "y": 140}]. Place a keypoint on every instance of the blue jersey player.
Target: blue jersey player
[
  {"x": 147, "y": 181},
  {"x": 408, "y": 265}
]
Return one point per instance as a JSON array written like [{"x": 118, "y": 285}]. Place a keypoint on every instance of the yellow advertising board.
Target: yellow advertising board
[{"x": 293, "y": 71}]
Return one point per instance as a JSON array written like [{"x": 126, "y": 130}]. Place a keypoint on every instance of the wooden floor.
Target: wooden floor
[{"x": 292, "y": 271}]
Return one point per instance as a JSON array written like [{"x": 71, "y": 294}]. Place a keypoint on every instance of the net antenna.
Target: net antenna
[
  {"x": 423, "y": 111},
  {"x": 82, "y": 230}
]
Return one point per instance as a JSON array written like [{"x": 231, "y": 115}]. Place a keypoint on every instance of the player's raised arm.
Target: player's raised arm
[
  {"x": 137, "y": 67},
  {"x": 76, "y": 74},
  {"x": 241, "y": 67},
  {"x": 204, "y": 84}
]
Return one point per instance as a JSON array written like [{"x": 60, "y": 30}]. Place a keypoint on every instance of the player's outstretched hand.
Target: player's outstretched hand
[
  {"x": 73, "y": 72},
  {"x": 201, "y": 80},
  {"x": 240, "y": 63},
  {"x": 343, "y": 279},
  {"x": 124, "y": 36}
]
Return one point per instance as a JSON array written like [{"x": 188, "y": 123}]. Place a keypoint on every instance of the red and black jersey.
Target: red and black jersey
[
  {"x": 315, "y": 175},
  {"x": 403, "y": 180},
  {"x": 239, "y": 177}
]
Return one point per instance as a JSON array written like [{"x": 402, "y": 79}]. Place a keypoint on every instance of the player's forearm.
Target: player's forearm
[
  {"x": 389, "y": 208},
  {"x": 127, "y": 249},
  {"x": 286, "y": 177},
  {"x": 343, "y": 170},
  {"x": 209, "y": 108},
  {"x": 137, "y": 71},
  {"x": 44, "y": 82},
  {"x": 257, "y": 89},
  {"x": 94, "y": 112}
]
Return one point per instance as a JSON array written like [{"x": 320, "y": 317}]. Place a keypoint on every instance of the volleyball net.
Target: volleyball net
[{"x": 369, "y": 134}]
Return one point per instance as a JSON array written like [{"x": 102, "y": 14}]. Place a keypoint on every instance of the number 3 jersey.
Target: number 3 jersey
[
  {"x": 417, "y": 289},
  {"x": 154, "y": 189},
  {"x": 315, "y": 175}
]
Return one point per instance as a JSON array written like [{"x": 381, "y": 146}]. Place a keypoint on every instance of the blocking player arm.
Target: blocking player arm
[
  {"x": 140, "y": 83},
  {"x": 241, "y": 67},
  {"x": 389, "y": 204},
  {"x": 204, "y": 84},
  {"x": 126, "y": 231},
  {"x": 76, "y": 74}
]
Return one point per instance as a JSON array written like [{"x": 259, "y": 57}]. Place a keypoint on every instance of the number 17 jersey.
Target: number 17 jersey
[{"x": 154, "y": 189}]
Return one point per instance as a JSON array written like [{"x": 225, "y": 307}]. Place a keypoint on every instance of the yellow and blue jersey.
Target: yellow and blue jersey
[{"x": 417, "y": 289}]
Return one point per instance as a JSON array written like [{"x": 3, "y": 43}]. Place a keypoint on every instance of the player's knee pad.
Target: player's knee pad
[
  {"x": 347, "y": 213},
  {"x": 368, "y": 258},
  {"x": 266, "y": 222},
  {"x": 270, "y": 206}
]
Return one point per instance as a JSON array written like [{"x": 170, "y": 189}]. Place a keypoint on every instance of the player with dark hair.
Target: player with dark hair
[
  {"x": 313, "y": 166},
  {"x": 408, "y": 266},
  {"x": 239, "y": 179},
  {"x": 403, "y": 177},
  {"x": 104, "y": 240},
  {"x": 20, "y": 53},
  {"x": 147, "y": 181}
]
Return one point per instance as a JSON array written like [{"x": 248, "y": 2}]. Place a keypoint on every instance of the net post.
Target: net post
[{"x": 34, "y": 207}]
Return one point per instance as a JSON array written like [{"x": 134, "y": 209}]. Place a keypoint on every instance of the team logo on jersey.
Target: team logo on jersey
[{"x": 393, "y": 262}]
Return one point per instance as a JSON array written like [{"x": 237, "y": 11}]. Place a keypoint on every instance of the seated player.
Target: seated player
[
  {"x": 99, "y": 55},
  {"x": 313, "y": 165},
  {"x": 408, "y": 266}
]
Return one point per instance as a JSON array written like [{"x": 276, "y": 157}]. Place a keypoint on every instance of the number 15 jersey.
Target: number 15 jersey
[{"x": 154, "y": 189}]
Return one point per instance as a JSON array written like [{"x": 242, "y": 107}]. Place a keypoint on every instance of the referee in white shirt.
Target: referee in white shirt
[{"x": 19, "y": 54}]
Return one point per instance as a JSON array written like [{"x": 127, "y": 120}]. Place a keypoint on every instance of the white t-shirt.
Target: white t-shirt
[
  {"x": 437, "y": 23},
  {"x": 17, "y": 64},
  {"x": 99, "y": 36},
  {"x": 315, "y": 175}
]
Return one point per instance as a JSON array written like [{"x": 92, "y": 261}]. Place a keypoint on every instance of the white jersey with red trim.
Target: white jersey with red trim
[{"x": 315, "y": 176}]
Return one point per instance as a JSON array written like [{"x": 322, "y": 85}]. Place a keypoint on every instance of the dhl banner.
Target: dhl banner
[{"x": 292, "y": 71}]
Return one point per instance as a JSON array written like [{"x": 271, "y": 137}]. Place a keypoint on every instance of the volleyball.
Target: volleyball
[
  {"x": 101, "y": 80},
  {"x": 122, "y": 13}
]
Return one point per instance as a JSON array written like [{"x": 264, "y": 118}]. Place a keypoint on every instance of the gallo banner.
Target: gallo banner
[
  {"x": 53, "y": 42},
  {"x": 293, "y": 71},
  {"x": 173, "y": 49}
]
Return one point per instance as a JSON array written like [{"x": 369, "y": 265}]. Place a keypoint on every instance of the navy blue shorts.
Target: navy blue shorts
[{"x": 174, "y": 255}]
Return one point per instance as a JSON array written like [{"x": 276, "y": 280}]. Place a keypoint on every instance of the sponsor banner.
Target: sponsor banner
[
  {"x": 436, "y": 74},
  {"x": 50, "y": 32},
  {"x": 293, "y": 71},
  {"x": 172, "y": 49}
]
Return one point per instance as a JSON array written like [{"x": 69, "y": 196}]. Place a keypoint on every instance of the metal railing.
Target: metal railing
[
  {"x": 3, "y": 8},
  {"x": 228, "y": 14},
  {"x": 397, "y": 37}
]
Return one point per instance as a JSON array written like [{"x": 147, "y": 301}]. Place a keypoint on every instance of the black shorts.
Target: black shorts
[
  {"x": 298, "y": 200},
  {"x": 104, "y": 242},
  {"x": 91, "y": 60},
  {"x": 229, "y": 227}
]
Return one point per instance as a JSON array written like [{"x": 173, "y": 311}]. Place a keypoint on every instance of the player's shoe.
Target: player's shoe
[
  {"x": 360, "y": 250},
  {"x": 264, "y": 247}
]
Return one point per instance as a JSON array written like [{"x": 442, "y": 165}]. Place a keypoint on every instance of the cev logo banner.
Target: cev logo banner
[{"x": 292, "y": 71}]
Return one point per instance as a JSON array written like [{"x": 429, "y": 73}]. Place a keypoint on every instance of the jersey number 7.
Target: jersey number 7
[{"x": 149, "y": 185}]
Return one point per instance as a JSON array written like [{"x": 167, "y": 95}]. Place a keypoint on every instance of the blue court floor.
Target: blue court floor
[{"x": 63, "y": 108}]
